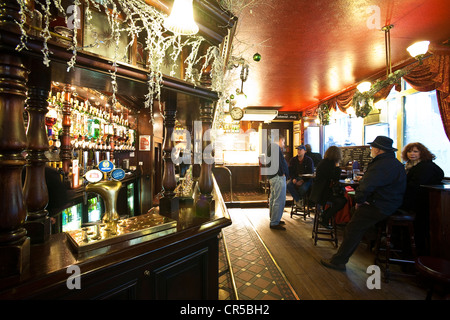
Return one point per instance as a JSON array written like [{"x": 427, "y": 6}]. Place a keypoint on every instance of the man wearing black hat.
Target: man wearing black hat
[
  {"x": 301, "y": 164},
  {"x": 379, "y": 195}
]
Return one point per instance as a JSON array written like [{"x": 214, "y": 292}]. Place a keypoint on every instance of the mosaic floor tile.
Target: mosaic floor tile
[{"x": 256, "y": 275}]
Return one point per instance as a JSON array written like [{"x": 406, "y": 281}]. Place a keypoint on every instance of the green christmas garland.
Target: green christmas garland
[
  {"x": 363, "y": 101},
  {"x": 324, "y": 114}
]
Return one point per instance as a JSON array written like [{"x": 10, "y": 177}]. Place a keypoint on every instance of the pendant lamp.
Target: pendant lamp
[{"x": 181, "y": 19}]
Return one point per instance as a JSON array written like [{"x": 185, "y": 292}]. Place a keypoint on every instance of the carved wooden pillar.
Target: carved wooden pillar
[
  {"x": 14, "y": 244},
  {"x": 169, "y": 204},
  {"x": 35, "y": 188},
  {"x": 66, "y": 150},
  {"x": 205, "y": 203}
]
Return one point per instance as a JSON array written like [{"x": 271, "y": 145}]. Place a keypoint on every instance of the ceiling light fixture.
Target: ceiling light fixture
[
  {"x": 418, "y": 50},
  {"x": 181, "y": 19},
  {"x": 241, "y": 98},
  {"x": 364, "y": 86}
]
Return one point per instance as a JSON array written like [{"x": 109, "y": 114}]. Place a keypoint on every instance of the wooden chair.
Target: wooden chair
[
  {"x": 395, "y": 255},
  {"x": 435, "y": 270},
  {"x": 320, "y": 233}
]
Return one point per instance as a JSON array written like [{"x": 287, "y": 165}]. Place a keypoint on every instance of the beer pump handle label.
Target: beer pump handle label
[
  {"x": 118, "y": 174},
  {"x": 105, "y": 166},
  {"x": 93, "y": 176}
]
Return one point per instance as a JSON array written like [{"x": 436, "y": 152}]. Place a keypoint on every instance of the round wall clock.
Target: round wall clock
[{"x": 236, "y": 113}]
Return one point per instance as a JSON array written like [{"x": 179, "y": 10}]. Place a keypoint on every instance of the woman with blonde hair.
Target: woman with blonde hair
[{"x": 420, "y": 170}]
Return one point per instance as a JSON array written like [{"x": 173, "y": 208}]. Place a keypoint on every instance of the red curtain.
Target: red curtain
[
  {"x": 342, "y": 101},
  {"x": 434, "y": 74}
]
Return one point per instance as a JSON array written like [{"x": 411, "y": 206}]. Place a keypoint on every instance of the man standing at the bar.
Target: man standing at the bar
[
  {"x": 379, "y": 195},
  {"x": 277, "y": 180}
]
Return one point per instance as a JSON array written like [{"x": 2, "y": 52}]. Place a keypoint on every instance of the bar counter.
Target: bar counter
[
  {"x": 179, "y": 265},
  {"x": 244, "y": 177},
  {"x": 439, "y": 196}
]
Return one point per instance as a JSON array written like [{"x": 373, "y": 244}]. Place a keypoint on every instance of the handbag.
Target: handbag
[{"x": 337, "y": 188}]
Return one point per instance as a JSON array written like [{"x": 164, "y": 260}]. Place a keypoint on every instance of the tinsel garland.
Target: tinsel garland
[{"x": 156, "y": 44}]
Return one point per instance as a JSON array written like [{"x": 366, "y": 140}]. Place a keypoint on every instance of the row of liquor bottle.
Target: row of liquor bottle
[{"x": 88, "y": 127}]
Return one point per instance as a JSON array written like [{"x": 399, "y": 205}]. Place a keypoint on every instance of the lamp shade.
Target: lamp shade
[
  {"x": 418, "y": 48},
  {"x": 181, "y": 19},
  {"x": 364, "y": 86}
]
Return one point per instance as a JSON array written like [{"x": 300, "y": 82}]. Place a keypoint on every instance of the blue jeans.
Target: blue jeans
[
  {"x": 298, "y": 192},
  {"x": 277, "y": 198}
]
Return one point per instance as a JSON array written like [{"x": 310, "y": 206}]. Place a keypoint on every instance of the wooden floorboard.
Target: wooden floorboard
[{"x": 299, "y": 259}]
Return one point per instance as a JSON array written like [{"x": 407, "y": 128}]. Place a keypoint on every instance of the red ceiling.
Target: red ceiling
[{"x": 313, "y": 49}]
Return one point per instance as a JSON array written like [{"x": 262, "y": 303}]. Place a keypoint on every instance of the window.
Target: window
[
  {"x": 406, "y": 116},
  {"x": 343, "y": 131},
  {"x": 389, "y": 110},
  {"x": 423, "y": 123},
  {"x": 312, "y": 137}
]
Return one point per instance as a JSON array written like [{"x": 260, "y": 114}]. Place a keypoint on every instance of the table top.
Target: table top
[
  {"x": 349, "y": 183},
  {"x": 308, "y": 175}
]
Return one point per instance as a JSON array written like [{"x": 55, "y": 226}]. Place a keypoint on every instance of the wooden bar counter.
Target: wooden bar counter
[
  {"x": 439, "y": 196},
  {"x": 179, "y": 265}
]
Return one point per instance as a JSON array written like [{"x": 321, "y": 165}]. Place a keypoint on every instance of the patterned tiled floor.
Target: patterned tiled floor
[{"x": 256, "y": 275}]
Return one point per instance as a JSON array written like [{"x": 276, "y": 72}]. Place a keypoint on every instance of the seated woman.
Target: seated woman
[
  {"x": 326, "y": 188},
  {"x": 420, "y": 170}
]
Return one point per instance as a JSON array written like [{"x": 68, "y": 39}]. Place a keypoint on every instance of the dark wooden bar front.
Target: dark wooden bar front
[
  {"x": 181, "y": 265},
  {"x": 439, "y": 196}
]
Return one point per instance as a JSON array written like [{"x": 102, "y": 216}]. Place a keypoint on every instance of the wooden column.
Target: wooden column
[
  {"x": 35, "y": 188},
  {"x": 169, "y": 204},
  {"x": 205, "y": 203},
  {"x": 66, "y": 150},
  {"x": 14, "y": 243}
]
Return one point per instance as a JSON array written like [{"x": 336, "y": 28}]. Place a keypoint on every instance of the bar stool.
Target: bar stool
[
  {"x": 304, "y": 210},
  {"x": 321, "y": 233},
  {"x": 400, "y": 218},
  {"x": 435, "y": 270}
]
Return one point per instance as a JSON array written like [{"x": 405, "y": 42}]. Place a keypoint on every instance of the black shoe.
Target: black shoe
[
  {"x": 282, "y": 222},
  {"x": 277, "y": 227},
  {"x": 329, "y": 264}
]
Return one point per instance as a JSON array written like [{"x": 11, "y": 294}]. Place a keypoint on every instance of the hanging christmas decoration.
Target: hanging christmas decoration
[
  {"x": 324, "y": 114},
  {"x": 133, "y": 18}
]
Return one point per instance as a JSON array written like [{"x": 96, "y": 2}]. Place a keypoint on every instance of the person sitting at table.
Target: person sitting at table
[
  {"x": 420, "y": 170},
  {"x": 326, "y": 187},
  {"x": 379, "y": 195},
  {"x": 299, "y": 165},
  {"x": 316, "y": 157}
]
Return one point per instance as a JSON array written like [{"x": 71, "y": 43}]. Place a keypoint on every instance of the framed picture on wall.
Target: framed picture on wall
[
  {"x": 144, "y": 143},
  {"x": 296, "y": 139}
]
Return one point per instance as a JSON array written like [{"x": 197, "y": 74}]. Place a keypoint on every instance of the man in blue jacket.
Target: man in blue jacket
[{"x": 379, "y": 195}]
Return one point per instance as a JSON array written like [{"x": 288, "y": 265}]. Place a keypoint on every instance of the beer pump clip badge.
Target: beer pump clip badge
[
  {"x": 118, "y": 174},
  {"x": 93, "y": 176},
  {"x": 105, "y": 166}
]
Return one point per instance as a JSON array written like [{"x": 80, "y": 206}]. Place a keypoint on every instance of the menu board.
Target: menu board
[{"x": 358, "y": 153}]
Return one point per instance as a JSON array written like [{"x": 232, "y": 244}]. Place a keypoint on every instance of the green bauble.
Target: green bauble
[{"x": 257, "y": 57}]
